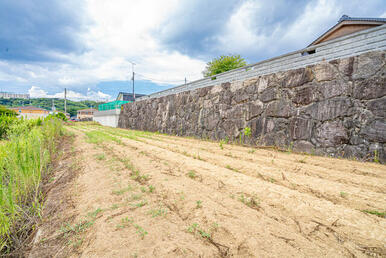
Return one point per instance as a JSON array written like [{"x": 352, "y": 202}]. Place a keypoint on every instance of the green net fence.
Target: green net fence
[{"x": 112, "y": 105}]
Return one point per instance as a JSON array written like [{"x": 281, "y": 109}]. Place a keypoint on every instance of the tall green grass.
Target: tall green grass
[{"x": 24, "y": 160}]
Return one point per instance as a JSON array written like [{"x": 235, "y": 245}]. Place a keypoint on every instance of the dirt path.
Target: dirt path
[{"x": 149, "y": 195}]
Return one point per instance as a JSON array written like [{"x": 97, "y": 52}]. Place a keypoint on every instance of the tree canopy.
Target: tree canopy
[
  {"x": 222, "y": 64},
  {"x": 6, "y": 111}
]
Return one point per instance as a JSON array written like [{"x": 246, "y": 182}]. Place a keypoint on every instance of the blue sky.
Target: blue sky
[{"x": 87, "y": 46}]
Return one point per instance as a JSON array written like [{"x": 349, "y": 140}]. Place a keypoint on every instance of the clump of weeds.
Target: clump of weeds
[
  {"x": 192, "y": 174},
  {"x": 221, "y": 144},
  {"x": 195, "y": 228},
  {"x": 151, "y": 188},
  {"x": 198, "y": 204},
  {"x": 158, "y": 212},
  {"x": 73, "y": 231},
  {"x": 251, "y": 202},
  {"x": 100, "y": 156},
  {"x": 343, "y": 194},
  {"x": 126, "y": 222},
  {"x": 123, "y": 190}
]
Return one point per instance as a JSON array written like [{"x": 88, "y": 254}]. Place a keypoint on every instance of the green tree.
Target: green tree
[
  {"x": 6, "y": 111},
  {"x": 222, "y": 64},
  {"x": 61, "y": 116}
]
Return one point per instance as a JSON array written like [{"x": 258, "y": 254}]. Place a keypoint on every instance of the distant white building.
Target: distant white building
[{"x": 9, "y": 95}]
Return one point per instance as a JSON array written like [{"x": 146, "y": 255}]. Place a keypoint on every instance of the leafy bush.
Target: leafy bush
[
  {"x": 5, "y": 122},
  {"x": 61, "y": 116},
  {"x": 223, "y": 64},
  {"x": 6, "y": 111}
]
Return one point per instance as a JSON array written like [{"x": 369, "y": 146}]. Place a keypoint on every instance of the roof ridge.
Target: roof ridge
[{"x": 348, "y": 18}]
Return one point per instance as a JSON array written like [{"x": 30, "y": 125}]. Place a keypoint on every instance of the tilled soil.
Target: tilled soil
[{"x": 152, "y": 195}]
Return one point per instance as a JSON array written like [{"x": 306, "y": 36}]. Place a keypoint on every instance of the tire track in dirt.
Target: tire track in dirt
[{"x": 328, "y": 228}]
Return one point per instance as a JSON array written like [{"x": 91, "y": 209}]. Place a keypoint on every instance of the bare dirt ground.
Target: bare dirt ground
[{"x": 151, "y": 195}]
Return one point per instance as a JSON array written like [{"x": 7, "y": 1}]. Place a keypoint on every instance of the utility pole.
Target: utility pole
[
  {"x": 185, "y": 81},
  {"x": 65, "y": 101},
  {"x": 132, "y": 67}
]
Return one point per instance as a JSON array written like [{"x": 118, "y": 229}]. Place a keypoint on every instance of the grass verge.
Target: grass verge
[{"x": 24, "y": 162}]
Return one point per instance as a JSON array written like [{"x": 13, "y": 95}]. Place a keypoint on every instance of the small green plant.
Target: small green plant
[
  {"x": 376, "y": 213},
  {"x": 221, "y": 144},
  {"x": 250, "y": 202},
  {"x": 290, "y": 147},
  {"x": 251, "y": 151},
  {"x": 125, "y": 222},
  {"x": 182, "y": 196},
  {"x": 143, "y": 189},
  {"x": 226, "y": 139},
  {"x": 272, "y": 180},
  {"x": 95, "y": 213},
  {"x": 192, "y": 228},
  {"x": 136, "y": 197},
  {"x": 158, "y": 212},
  {"x": 100, "y": 156},
  {"x": 376, "y": 156},
  {"x": 247, "y": 132},
  {"x": 151, "y": 188},
  {"x": 140, "y": 204},
  {"x": 343, "y": 194},
  {"x": 192, "y": 174},
  {"x": 204, "y": 234},
  {"x": 140, "y": 231},
  {"x": 195, "y": 228},
  {"x": 232, "y": 168},
  {"x": 198, "y": 204},
  {"x": 122, "y": 191},
  {"x": 114, "y": 206}
]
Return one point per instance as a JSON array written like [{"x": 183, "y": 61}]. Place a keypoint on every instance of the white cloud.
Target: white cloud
[
  {"x": 241, "y": 36},
  {"x": 36, "y": 92},
  {"x": 119, "y": 32}
]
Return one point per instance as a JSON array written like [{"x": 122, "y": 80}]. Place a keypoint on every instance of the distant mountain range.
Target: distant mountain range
[{"x": 46, "y": 103}]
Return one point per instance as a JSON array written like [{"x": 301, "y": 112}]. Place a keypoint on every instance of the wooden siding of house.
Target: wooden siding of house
[{"x": 345, "y": 30}]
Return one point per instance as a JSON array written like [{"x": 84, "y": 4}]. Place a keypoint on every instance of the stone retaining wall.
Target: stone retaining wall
[{"x": 336, "y": 108}]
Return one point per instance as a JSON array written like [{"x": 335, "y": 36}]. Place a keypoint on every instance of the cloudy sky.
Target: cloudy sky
[{"x": 87, "y": 46}]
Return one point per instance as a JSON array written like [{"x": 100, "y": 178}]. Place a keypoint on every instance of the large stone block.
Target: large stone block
[
  {"x": 305, "y": 95},
  {"x": 332, "y": 134},
  {"x": 297, "y": 77},
  {"x": 325, "y": 72},
  {"x": 378, "y": 107},
  {"x": 345, "y": 65},
  {"x": 300, "y": 128},
  {"x": 280, "y": 108},
  {"x": 269, "y": 95},
  {"x": 368, "y": 64},
  {"x": 375, "y": 131},
  {"x": 330, "y": 109},
  {"x": 370, "y": 88},
  {"x": 255, "y": 108},
  {"x": 303, "y": 146},
  {"x": 334, "y": 88}
]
